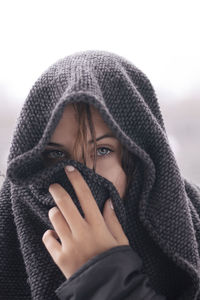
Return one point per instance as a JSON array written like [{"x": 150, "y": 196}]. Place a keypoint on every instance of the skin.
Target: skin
[{"x": 82, "y": 238}]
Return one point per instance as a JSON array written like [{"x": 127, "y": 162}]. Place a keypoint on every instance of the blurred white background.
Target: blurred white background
[{"x": 160, "y": 37}]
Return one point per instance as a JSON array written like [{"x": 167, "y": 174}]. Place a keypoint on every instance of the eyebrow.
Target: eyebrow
[{"x": 107, "y": 135}]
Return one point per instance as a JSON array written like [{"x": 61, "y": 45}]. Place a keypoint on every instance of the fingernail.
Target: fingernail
[
  {"x": 111, "y": 204},
  {"x": 70, "y": 168},
  {"x": 53, "y": 210}
]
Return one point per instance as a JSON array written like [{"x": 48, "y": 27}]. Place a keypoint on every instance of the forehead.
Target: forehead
[
  {"x": 67, "y": 129},
  {"x": 72, "y": 115}
]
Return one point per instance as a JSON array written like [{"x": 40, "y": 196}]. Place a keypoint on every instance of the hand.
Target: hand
[{"x": 81, "y": 238}]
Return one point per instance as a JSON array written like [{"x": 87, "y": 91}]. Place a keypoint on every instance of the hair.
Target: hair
[{"x": 128, "y": 160}]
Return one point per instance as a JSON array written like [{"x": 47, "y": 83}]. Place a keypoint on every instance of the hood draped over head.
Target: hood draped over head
[{"x": 160, "y": 212}]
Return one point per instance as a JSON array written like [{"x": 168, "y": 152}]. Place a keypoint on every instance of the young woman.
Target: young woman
[{"x": 93, "y": 205}]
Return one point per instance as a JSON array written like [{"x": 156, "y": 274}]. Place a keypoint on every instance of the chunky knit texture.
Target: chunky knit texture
[{"x": 160, "y": 213}]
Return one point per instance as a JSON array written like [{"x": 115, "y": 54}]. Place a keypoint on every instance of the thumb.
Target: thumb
[{"x": 113, "y": 223}]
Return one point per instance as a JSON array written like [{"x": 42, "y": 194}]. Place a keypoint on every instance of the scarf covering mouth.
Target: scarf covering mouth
[{"x": 160, "y": 213}]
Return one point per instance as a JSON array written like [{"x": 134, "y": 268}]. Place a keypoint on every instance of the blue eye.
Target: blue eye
[
  {"x": 105, "y": 152},
  {"x": 56, "y": 154}
]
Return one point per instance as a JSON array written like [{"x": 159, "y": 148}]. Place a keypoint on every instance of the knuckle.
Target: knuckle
[
  {"x": 85, "y": 188},
  {"x": 84, "y": 231},
  {"x": 70, "y": 248},
  {"x": 62, "y": 198}
]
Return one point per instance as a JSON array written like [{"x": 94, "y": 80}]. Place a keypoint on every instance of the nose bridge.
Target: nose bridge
[{"x": 78, "y": 155}]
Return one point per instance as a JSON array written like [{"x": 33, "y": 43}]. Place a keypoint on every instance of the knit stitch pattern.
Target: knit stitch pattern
[{"x": 160, "y": 213}]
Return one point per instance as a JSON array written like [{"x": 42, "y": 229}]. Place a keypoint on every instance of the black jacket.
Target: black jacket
[{"x": 111, "y": 275}]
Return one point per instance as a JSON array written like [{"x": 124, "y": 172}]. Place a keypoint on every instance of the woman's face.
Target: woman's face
[{"x": 108, "y": 162}]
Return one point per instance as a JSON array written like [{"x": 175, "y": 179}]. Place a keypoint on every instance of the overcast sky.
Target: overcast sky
[{"x": 160, "y": 37}]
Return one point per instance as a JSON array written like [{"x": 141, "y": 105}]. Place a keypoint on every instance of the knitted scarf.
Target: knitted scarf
[{"x": 160, "y": 213}]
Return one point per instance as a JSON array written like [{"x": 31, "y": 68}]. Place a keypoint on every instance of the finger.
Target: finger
[
  {"x": 51, "y": 244},
  {"x": 85, "y": 196},
  {"x": 60, "y": 224},
  {"x": 113, "y": 224},
  {"x": 67, "y": 207}
]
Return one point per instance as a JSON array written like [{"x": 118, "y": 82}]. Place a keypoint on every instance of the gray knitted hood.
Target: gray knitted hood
[{"x": 160, "y": 213}]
